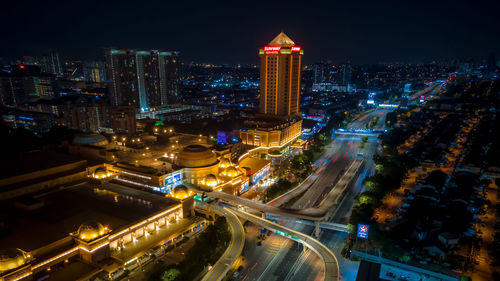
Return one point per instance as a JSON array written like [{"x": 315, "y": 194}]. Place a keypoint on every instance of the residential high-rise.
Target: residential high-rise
[
  {"x": 280, "y": 67},
  {"x": 94, "y": 71},
  {"x": 142, "y": 78},
  {"x": 50, "y": 63},
  {"x": 346, "y": 74},
  {"x": 25, "y": 83},
  {"x": 320, "y": 72}
]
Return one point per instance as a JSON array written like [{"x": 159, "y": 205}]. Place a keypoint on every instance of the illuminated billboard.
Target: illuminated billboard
[{"x": 272, "y": 50}]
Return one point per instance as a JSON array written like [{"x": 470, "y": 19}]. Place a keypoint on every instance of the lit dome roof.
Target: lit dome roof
[
  {"x": 210, "y": 180},
  {"x": 181, "y": 192},
  {"x": 224, "y": 163},
  {"x": 231, "y": 172},
  {"x": 194, "y": 156},
  {"x": 91, "y": 230},
  {"x": 100, "y": 173},
  {"x": 92, "y": 139},
  {"x": 10, "y": 259}
]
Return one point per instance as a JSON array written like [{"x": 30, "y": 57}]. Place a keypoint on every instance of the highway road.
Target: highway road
[
  {"x": 283, "y": 260},
  {"x": 233, "y": 251}
]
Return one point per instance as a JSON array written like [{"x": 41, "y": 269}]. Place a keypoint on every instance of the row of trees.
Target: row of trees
[
  {"x": 208, "y": 247},
  {"x": 297, "y": 169},
  {"x": 391, "y": 169}
]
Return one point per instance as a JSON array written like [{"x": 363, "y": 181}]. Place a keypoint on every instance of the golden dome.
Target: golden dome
[
  {"x": 210, "y": 180},
  {"x": 100, "y": 173},
  {"x": 232, "y": 172},
  {"x": 181, "y": 192},
  {"x": 224, "y": 163},
  {"x": 91, "y": 230},
  {"x": 11, "y": 259},
  {"x": 194, "y": 156}
]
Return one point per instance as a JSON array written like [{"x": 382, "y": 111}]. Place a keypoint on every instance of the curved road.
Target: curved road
[
  {"x": 234, "y": 249},
  {"x": 332, "y": 271}
]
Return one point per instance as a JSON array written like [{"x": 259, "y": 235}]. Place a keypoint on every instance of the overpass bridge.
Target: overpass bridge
[
  {"x": 359, "y": 131},
  {"x": 315, "y": 214},
  {"x": 324, "y": 225},
  {"x": 332, "y": 271},
  {"x": 233, "y": 251}
]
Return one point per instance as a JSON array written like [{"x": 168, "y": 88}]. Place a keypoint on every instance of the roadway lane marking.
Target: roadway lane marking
[{"x": 274, "y": 248}]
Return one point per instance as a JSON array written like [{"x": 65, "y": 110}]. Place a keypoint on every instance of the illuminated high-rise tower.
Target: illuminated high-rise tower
[
  {"x": 278, "y": 123},
  {"x": 280, "y": 67},
  {"x": 142, "y": 78}
]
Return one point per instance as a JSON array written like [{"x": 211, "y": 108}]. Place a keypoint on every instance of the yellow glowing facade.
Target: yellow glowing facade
[
  {"x": 280, "y": 67},
  {"x": 94, "y": 242},
  {"x": 272, "y": 137}
]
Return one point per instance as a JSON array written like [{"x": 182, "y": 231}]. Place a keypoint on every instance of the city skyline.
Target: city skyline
[
  {"x": 361, "y": 32},
  {"x": 345, "y": 153}
]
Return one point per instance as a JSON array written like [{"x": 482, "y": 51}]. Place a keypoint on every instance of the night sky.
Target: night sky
[{"x": 232, "y": 31}]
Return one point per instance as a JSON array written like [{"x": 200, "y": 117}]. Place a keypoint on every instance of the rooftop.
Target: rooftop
[
  {"x": 65, "y": 210},
  {"x": 34, "y": 161},
  {"x": 255, "y": 164},
  {"x": 282, "y": 40}
]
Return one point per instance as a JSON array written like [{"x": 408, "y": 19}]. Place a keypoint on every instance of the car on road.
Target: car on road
[{"x": 390, "y": 274}]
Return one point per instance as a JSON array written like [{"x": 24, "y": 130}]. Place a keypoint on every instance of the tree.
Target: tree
[{"x": 171, "y": 275}]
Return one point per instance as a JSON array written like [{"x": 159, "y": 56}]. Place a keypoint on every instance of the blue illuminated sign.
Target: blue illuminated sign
[
  {"x": 363, "y": 231},
  {"x": 26, "y": 118},
  {"x": 221, "y": 137}
]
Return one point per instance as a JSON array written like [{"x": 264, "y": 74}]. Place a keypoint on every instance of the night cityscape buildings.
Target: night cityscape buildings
[
  {"x": 142, "y": 78},
  {"x": 373, "y": 157}
]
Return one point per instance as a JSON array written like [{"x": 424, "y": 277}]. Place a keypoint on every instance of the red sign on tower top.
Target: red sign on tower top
[{"x": 272, "y": 50}]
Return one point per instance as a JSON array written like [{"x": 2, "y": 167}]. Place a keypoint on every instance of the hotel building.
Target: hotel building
[{"x": 278, "y": 122}]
